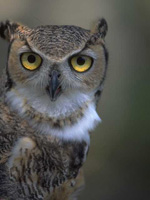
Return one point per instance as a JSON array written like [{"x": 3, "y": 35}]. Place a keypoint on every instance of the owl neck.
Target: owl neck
[{"x": 71, "y": 117}]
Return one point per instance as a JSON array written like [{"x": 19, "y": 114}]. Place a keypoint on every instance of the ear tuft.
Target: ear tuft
[
  {"x": 101, "y": 28},
  {"x": 10, "y": 30},
  {"x": 99, "y": 32},
  {"x": 7, "y": 30}
]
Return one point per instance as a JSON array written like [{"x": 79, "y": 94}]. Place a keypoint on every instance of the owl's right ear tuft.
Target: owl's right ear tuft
[
  {"x": 8, "y": 30},
  {"x": 12, "y": 30}
]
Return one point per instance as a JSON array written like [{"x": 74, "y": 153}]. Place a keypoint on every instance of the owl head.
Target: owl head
[{"x": 54, "y": 70}]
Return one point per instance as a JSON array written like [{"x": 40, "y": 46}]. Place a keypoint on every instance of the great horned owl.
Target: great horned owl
[{"x": 49, "y": 92}]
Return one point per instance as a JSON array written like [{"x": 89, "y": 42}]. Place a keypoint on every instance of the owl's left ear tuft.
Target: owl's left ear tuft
[
  {"x": 99, "y": 31},
  {"x": 101, "y": 28}
]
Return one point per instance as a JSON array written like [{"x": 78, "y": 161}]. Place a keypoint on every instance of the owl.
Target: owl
[{"x": 49, "y": 91}]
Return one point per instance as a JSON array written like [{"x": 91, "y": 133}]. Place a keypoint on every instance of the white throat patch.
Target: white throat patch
[{"x": 64, "y": 106}]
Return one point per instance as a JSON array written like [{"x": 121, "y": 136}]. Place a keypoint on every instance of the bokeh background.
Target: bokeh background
[{"x": 118, "y": 164}]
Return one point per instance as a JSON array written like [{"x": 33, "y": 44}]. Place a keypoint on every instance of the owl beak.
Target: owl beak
[{"x": 54, "y": 88}]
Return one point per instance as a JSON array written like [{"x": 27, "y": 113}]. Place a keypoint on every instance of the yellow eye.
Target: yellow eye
[
  {"x": 81, "y": 63},
  {"x": 31, "y": 61}
]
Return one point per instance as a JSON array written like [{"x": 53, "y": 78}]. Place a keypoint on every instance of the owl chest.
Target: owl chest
[{"x": 39, "y": 170}]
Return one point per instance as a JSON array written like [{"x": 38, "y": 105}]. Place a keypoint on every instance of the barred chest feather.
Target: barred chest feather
[
  {"x": 40, "y": 167},
  {"x": 34, "y": 166}
]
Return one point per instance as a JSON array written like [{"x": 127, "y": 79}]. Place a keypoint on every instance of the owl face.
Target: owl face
[
  {"x": 57, "y": 60},
  {"x": 54, "y": 76}
]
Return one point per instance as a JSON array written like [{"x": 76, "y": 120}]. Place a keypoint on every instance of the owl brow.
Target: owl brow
[
  {"x": 86, "y": 47},
  {"x": 27, "y": 44},
  {"x": 24, "y": 48}
]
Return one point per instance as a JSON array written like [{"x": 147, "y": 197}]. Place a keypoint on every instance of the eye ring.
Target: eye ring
[
  {"x": 30, "y": 61},
  {"x": 81, "y": 63}
]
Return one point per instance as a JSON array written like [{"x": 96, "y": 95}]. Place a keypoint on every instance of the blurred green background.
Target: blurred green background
[{"x": 118, "y": 164}]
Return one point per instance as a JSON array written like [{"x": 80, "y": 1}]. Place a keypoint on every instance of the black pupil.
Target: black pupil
[
  {"x": 80, "y": 61},
  {"x": 31, "y": 59}
]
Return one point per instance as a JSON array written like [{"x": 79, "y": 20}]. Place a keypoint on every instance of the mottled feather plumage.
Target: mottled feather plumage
[{"x": 43, "y": 144}]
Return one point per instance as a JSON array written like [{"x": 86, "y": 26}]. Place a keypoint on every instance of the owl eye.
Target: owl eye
[
  {"x": 81, "y": 63},
  {"x": 30, "y": 61}
]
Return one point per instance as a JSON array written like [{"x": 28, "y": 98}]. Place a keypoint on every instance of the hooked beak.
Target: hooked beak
[{"x": 54, "y": 87}]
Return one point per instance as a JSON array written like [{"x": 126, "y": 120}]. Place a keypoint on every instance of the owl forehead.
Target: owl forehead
[{"x": 58, "y": 41}]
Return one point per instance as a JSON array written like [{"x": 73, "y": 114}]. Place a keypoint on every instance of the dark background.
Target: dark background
[{"x": 118, "y": 163}]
